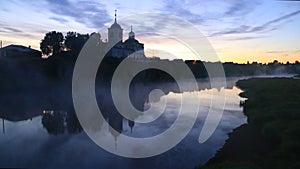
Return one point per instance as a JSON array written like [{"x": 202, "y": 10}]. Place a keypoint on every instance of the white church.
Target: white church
[{"x": 120, "y": 49}]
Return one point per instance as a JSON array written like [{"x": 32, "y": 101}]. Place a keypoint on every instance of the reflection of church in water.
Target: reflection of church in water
[
  {"x": 65, "y": 121},
  {"x": 120, "y": 49},
  {"x": 60, "y": 122}
]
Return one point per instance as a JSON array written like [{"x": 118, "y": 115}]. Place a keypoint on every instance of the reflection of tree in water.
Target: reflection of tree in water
[
  {"x": 59, "y": 122},
  {"x": 73, "y": 125},
  {"x": 131, "y": 125},
  {"x": 56, "y": 122},
  {"x": 53, "y": 122}
]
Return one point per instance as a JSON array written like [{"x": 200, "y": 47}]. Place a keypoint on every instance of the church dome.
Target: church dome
[{"x": 131, "y": 41}]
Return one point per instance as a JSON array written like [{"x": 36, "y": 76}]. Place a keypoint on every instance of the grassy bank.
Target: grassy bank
[{"x": 271, "y": 139}]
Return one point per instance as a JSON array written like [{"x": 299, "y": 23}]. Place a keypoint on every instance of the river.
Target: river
[{"x": 41, "y": 130}]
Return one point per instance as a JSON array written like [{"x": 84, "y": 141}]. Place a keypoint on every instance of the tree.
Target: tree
[
  {"x": 75, "y": 41},
  {"x": 52, "y": 43}
]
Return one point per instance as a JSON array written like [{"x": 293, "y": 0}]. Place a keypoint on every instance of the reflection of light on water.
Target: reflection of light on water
[
  {"x": 232, "y": 112},
  {"x": 206, "y": 96},
  {"x": 232, "y": 118},
  {"x": 51, "y": 112}
]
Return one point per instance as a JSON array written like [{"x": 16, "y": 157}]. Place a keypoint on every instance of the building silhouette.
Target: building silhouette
[{"x": 19, "y": 52}]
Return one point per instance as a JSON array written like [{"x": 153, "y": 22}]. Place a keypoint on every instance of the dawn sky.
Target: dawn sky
[{"x": 239, "y": 30}]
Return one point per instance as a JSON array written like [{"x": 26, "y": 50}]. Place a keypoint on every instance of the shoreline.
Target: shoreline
[{"x": 270, "y": 138}]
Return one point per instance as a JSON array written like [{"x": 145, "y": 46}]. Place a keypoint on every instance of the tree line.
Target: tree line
[{"x": 55, "y": 42}]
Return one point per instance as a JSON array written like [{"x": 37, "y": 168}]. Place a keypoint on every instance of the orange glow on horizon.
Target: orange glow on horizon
[
  {"x": 236, "y": 55},
  {"x": 171, "y": 49}
]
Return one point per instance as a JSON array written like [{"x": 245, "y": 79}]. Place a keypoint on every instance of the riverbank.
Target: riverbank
[{"x": 271, "y": 138}]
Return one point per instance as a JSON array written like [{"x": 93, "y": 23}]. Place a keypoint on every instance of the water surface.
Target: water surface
[{"x": 40, "y": 129}]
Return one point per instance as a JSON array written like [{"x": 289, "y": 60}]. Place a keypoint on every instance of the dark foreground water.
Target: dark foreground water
[{"x": 39, "y": 129}]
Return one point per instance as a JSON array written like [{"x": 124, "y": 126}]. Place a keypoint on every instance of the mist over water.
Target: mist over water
[
  {"x": 40, "y": 127},
  {"x": 44, "y": 131}
]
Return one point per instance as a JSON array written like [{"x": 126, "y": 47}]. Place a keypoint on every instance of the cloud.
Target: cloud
[
  {"x": 281, "y": 18},
  {"x": 276, "y": 51},
  {"x": 222, "y": 9},
  {"x": 240, "y": 29},
  {"x": 266, "y": 27},
  {"x": 60, "y": 20},
  {"x": 241, "y": 7},
  {"x": 10, "y": 29},
  {"x": 92, "y": 14},
  {"x": 179, "y": 9},
  {"x": 245, "y": 38},
  {"x": 28, "y": 35},
  {"x": 149, "y": 24}
]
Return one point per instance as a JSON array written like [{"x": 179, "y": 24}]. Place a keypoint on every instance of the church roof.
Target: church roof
[
  {"x": 115, "y": 25},
  {"x": 131, "y": 40}
]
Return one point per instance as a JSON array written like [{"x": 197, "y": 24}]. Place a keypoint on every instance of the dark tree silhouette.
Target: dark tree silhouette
[
  {"x": 54, "y": 123},
  {"x": 52, "y": 43},
  {"x": 75, "y": 41}
]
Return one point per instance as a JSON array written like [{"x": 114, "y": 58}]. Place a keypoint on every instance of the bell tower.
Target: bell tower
[{"x": 115, "y": 32}]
